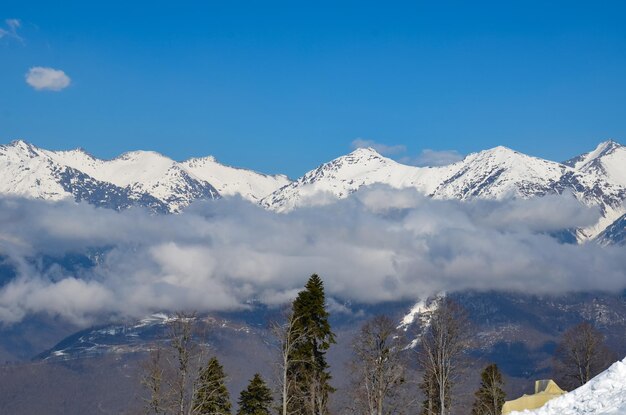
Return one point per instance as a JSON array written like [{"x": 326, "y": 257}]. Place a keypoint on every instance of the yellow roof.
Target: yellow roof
[{"x": 545, "y": 390}]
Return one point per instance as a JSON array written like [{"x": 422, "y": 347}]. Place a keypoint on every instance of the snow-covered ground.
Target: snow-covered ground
[{"x": 604, "y": 394}]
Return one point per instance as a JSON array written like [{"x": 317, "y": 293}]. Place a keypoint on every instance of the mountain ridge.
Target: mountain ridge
[
  {"x": 144, "y": 178},
  {"x": 495, "y": 174},
  {"x": 153, "y": 180}
]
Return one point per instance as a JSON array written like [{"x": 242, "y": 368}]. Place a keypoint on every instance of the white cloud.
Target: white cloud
[
  {"x": 427, "y": 157},
  {"x": 13, "y": 24},
  {"x": 384, "y": 149},
  {"x": 10, "y": 29},
  {"x": 49, "y": 79},
  {"x": 433, "y": 158},
  {"x": 380, "y": 244}
]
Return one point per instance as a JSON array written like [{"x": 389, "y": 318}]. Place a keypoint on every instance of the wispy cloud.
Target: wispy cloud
[
  {"x": 384, "y": 149},
  {"x": 10, "y": 29},
  {"x": 433, "y": 158},
  {"x": 50, "y": 79},
  {"x": 426, "y": 157},
  {"x": 378, "y": 245}
]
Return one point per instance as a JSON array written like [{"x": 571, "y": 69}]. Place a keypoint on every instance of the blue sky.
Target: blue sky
[{"x": 284, "y": 86}]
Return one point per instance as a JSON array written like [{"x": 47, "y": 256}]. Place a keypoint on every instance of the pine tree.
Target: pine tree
[
  {"x": 211, "y": 397},
  {"x": 310, "y": 372},
  {"x": 489, "y": 397},
  {"x": 256, "y": 399}
]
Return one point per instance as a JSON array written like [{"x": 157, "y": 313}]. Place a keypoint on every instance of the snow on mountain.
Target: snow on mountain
[
  {"x": 345, "y": 175},
  {"x": 230, "y": 181},
  {"x": 420, "y": 312},
  {"x": 421, "y": 315},
  {"x": 607, "y": 160},
  {"x": 604, "y": 394},
  {"x": 491, "y": 174},
  {"x": 153, "y": 180},
  {"x": 144, "y": 178},
  {"x": 26, "y": 173},
  {"x": 499, "y": 173},
  {"x": 602, "y": 181},
  {"x": 144, "y": 172},
  {"x": 615, "y": 233}
]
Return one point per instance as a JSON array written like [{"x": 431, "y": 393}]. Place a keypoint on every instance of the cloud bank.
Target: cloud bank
[
  {"x": 48, "y": 79},
  {"x": 378, "y": 245}
]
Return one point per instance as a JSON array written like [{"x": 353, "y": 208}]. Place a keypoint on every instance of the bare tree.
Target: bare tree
[
  {"x": 442, "y": 347},
  {"x": 184, "y": 348},
  {"x": 153, "y": 379},
  {"x": 581, "y": 354},
  {"x": 378, "y": 368},
  {"x": 289, "y": 335},
  {"x": 172, "y": 371}
]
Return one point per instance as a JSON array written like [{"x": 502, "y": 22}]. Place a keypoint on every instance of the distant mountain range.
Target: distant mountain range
[
  {"x": 149, "y": 179},
  {"x": 142, "y": 178}
]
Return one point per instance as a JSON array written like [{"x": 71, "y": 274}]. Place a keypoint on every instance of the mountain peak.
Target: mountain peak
[
  {"x": 24, "y": 147},
  {"x": 500, "y": 153},
  {"x": 146, "y": 155},
  {"x": 22, "y": 144},
  {"x": 205, "y": 159},
  {"x": 602, "y": 150},
  {"x": 365, "y": 152},
  {"x": 78, "y": 151},
  {"x": 606, "y": 147},
  {"x": 501, "y": 150}
]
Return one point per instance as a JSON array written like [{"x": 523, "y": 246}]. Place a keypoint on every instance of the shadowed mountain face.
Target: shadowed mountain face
[{"x": 615, "y": 233}]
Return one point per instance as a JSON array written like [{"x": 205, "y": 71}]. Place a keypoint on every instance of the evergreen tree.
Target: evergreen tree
[
  {"x": 309, "y": 372},
  {"x": 211, "y": 397},
  {"x": 256, "y": 399},
  {"x": 489, "y": 397}
]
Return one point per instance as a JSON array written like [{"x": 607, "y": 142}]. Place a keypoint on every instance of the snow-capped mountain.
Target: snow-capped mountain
[
  {"x": 607, "y": 160},
  {"x": 143, "y": 178},
  {"x": 231, "y": 181},
  {"x": 615, "y": 233},
  {"x": 153, "y": 180},
  {"x": 596, "y": 178}
]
